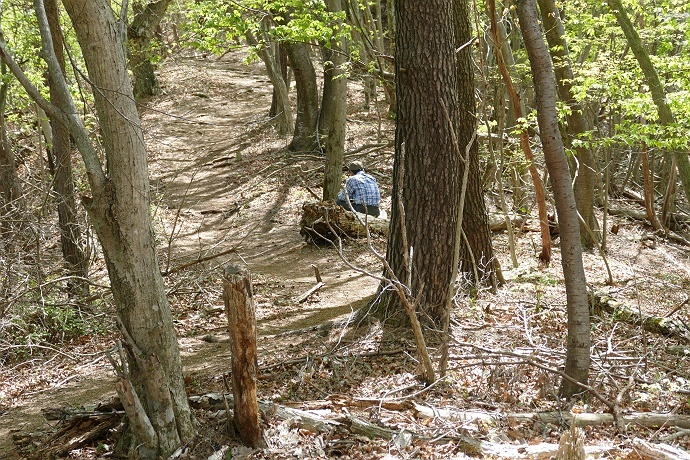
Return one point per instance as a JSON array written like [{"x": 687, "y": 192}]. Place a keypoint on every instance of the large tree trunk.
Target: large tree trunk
[
  {"x": 305, "y": 135},
  {"x": 140, "y": 32},
  {"x": 577, "y": 355},
  {"x": 334, "y": 112},
  {"x": 477, "y": 260},
  {"x": 586, "y": 169},
  {"x": 655, "y": 87},
  {"x": 428, "y": 170},
  {"x": 119, "y": 210},
  {"x": 71, "y": 240}
]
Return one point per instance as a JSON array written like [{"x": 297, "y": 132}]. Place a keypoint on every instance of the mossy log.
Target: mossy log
[
  {"x": 325, "y": 221},
  {"x": 669, "y": 327}
]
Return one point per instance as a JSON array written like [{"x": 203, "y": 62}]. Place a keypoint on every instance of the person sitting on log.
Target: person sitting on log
[{"x": 361, "y": 189}]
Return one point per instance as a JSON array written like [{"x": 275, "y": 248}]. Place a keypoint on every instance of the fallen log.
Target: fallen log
[
  {"x": 325, "y": 221},
  {"x": 319, "y": 424},
  {"x": 308, "y": 293},
  {"x": 497, "y": 222},
  {"x": 313, "y": 422},
  {"x": 78, "y": 428},
  {"x": 645, "y": 419},
  {"x": 602, "y": 303}
]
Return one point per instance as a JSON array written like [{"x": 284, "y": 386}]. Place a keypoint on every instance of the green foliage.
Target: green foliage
[
  {"x": 216, "y": 27},
  {"x": 608, "y": 76},
  {"x": 20, "y": 32},
  {"x": 20, "y": 29}
]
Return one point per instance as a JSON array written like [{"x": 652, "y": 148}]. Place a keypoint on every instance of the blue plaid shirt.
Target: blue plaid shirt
[{"x": 362, "y": 189}]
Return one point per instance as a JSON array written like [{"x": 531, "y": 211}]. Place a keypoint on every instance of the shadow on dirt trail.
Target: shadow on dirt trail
[{"x": 220, "y": 181}]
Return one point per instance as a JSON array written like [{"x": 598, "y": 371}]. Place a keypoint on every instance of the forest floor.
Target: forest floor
[{"x": 223, "y": 184}]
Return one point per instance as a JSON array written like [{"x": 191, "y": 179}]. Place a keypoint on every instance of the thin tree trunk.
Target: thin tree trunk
[
  {"x": 71, "y": 240},
  {"x": 655, "y": 87},
  {"x": 282, "y": 60},
  {"x": 12, "y": 206},
  {"x": 139, "y": 33},
  {"x": 477, "y": 261},
  {"x": 11, "y": 196},
  {"x": 305, "y": 135},
  {"x": 586, "y": 180},
  {"x": 540, "y": 192},
  {"x": 280, "y": 87},
  {"x": 579, "y": 341},
  {"x": 649, "y": 191},
  {"x": 334, "y": 109}
]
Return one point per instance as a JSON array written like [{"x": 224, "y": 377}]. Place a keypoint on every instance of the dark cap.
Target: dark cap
[{"x": 354, "y": 167}]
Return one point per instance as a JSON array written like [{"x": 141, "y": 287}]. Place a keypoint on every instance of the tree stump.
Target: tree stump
[
  {"x": 325, "y": 221},
  {"x": 239, "y": 308}
]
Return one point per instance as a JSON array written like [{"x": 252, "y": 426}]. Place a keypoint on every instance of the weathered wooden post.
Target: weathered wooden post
[{"x": 239, "y": 308}]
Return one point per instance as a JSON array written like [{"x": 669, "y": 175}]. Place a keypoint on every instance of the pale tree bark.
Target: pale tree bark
[
  {"x": 119, "y": 209},
  {"x": 281, "y": 59},
  {"x": 585, "y": 169},
  {"x": 334, "y": 111},
  {"x": 304, "y": 138},
  {"x": 71, "y": 240},
  {"x": 147, "y": 17},
  {"x": 577, "y": 354},
  {"x": 655, "y": 87},
  {"x": 516, "y": 109}
]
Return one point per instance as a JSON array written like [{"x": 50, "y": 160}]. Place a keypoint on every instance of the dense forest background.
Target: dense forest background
[{"x": 527, "y": 297}]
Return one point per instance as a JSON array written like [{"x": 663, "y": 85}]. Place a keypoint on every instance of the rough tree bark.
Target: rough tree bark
[
  {"x": 579, "y": 341},
  {"x": 76, "y": 258},
  {"x": 477, "y": 261},
  {"x": 427, "y": 173},
  {"x": 586, "y": 169},
  {"x": 334, "y": 111},
  {"x": 11, "y": 201},
  {"x": 304, "y": 138},
  {"x": 119, "y": 209},
  {"x": 12, "y": 204}
]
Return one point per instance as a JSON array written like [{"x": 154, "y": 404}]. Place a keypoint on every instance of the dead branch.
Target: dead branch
[{"x": 308, "y": 293}]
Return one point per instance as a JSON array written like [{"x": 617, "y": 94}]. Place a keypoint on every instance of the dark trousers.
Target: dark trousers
[{"x": 371, "y": 210}]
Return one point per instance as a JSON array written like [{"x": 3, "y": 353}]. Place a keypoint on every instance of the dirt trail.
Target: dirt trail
[
  {"x": 224, "y": 182},
  {"x": 210, "y": 190}
]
